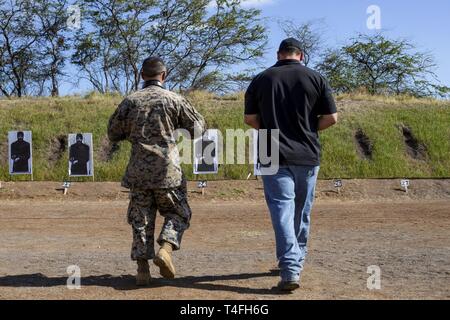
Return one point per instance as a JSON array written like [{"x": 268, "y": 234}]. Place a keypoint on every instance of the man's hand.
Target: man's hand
[
  {"x": 326, "y": 121},
  {"x": 252, "y": 120}
]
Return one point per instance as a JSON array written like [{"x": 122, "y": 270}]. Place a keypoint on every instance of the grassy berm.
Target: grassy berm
[{"x": 377, "y": 137}]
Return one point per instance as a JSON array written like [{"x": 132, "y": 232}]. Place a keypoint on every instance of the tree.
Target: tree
[
  {"x": 310, "y": 35},
  {"x": 339, "y": 71},
  {"x": 228, "y": 36},
  {"x": 107, "y": 51},
  {"x": 381, "y": 66},
  {"x": 18, "y": 40},
  {"x": 100, "y": 62},
  {"x": 32, "y": 46},
  {"x": 199, "y": 42},
  {"x": 54, "y": 41}
]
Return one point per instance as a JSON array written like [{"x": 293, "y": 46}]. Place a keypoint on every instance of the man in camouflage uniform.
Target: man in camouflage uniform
[{"x": 148, "y": 119}]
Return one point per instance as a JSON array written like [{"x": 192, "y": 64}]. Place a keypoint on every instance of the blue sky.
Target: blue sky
[{"x": 427, "y": 24}]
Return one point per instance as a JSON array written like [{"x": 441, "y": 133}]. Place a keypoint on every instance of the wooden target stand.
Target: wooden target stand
[
  {"x": 68, "y": 183},
  {"x": 338, "y": 184},
  {"x": 405, "y": 184},
  {"x": 202, "y": 184}
]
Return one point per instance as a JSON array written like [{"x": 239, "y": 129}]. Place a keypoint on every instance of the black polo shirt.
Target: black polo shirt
[{"x": 290, "y": 97}]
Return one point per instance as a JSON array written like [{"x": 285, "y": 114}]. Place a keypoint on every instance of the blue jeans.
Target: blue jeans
[{"x": 290, "y": 197}]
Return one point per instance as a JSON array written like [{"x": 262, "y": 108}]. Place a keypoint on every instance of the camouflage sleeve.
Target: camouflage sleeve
[
  {"x": 118, "y": 128},
  {"x": 190, "y": 119}
]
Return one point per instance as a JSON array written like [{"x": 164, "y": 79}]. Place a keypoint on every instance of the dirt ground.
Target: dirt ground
[{"x": 229, "y": 251}]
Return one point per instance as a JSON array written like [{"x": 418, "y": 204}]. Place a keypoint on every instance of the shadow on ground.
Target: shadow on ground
[{"x": 127, "y": 282}]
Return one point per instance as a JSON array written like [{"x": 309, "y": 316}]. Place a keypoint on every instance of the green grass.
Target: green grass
[{"x": 379, "y": 117}]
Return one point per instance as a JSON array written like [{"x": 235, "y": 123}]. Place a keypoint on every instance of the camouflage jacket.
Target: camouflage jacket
[{"x": 148, "y": 119}]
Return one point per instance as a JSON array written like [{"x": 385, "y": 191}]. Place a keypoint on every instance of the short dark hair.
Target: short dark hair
[
  {"x": 20, "y": 133},
  {"x": 153, "y": 66},
  {"x": 291, "y": 51},
  {"x": 79, "y": 136}
]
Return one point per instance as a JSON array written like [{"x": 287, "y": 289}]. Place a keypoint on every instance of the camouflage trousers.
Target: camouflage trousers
[{"x": 172, "y": 205}]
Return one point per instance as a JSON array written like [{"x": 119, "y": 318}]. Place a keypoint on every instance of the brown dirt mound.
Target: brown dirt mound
[
  {"x": 107, "y": 149},
  {"x": 414, "y": 147},
  {"x": 364, "y": 145},
  {"x": 58, "y": 147}
]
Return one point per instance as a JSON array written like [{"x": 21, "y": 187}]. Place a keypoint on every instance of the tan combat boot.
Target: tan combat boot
[
  {"x": 164, "y": 261},
  {"x": 143, "y": 273}
]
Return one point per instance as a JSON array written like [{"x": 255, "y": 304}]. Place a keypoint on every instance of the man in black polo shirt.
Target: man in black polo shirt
[{"x": 297, "y": 102}]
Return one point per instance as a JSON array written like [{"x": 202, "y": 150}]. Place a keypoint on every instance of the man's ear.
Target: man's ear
[
  {"x": 278, "y": 56},
  {"x": 164, "y": 76}
]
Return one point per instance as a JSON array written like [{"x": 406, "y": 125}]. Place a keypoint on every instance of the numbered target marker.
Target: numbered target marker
[
  {"x": 66, "y": 186},
  {"x": 338, "y": 185},
  {"x": 405, "y": 184},
  {"x": 202, "y": 185}
]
